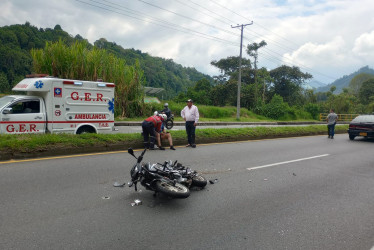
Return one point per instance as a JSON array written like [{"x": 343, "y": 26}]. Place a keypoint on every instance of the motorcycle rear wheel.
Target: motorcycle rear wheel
[
  {"x": 169, "y": 124},
  {"x": 199, "y": 181},
  {"x": 177, "y": 191}
]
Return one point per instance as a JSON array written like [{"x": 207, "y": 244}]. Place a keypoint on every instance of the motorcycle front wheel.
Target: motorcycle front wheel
[
  {"x": 199, "y": 181},
  {"x": 169, "y": 124},
  {"x": 177, "y": 191}
]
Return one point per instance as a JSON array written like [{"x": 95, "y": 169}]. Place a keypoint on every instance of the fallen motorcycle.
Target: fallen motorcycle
[
  {"x": 182, "y": 174},
  {"x": 152, "y": 179}
]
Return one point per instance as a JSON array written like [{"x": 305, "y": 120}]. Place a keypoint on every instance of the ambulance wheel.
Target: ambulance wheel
[{"x": 85, "y": 130}]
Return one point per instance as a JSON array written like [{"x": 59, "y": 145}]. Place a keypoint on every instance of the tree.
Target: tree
[
  {"x": 288, "y": 82},
  {"x": 366, "y": 91},
  {"x": 252, "y": 50},
  {"x": 332, "y": 89},
  {"x": 356, "y": 82},
  {"x": 265, "y": 79},
  {"x": 275, "y": 109},
  {"x": 229, "y": 66},
  {"x": 224, "y": 94},
  {"x": 4, "y": 84},
  {"x": 200, "y": 92}
]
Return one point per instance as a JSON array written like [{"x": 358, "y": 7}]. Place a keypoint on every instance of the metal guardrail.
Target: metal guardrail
[{"x": 341, "y": 117}]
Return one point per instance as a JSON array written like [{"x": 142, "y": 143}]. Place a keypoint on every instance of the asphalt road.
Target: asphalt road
[{"x": 300, "y": 193}]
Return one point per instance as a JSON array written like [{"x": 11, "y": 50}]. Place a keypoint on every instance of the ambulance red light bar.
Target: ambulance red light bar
[
  {"x": 36, "y": 75},
  {"x": 73, "y": 83},
  {"x": 110, "y": 85}
]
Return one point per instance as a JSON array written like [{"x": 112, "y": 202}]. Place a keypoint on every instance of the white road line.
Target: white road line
[{"x": 285, "y": 162}]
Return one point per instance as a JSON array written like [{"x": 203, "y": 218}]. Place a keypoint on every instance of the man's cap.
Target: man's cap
[{"x": 189, "y": 100}]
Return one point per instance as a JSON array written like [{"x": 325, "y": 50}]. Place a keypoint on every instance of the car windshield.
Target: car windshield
[
  {"x": 5, "y": 100},
  {"x": 364, "y": 119}
]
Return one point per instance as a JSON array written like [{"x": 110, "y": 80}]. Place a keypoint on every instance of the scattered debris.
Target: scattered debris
[
  {"x": 136, "y": 203},
  {"x": 105, "y": 197},
  {"x": 265, "y": 179},
  {"x": 213, "y": 181},
  {"x": 250, "y": 180},
  {"x": 294, "y": 174},
  {"x": 117, "y": 184}
]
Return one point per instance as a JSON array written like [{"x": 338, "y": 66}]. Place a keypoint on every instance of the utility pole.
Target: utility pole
[{"x": 240, "y": 68}]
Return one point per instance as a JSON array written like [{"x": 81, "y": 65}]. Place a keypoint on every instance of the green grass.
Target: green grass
[
  {"x": 32, "y": 143},
  {"x": 216, "y": 114}
]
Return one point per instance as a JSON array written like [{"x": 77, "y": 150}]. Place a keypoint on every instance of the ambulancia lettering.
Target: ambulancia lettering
[
  {"x": 90, "y": 116},
  {"x": 87, "y": 97}
]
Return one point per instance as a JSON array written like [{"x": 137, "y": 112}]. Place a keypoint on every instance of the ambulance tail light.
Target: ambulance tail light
[{"x": 109, "y": 85}]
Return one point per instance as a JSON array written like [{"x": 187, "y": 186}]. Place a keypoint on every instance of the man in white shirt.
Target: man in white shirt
[{"x": 190, "y": 114}]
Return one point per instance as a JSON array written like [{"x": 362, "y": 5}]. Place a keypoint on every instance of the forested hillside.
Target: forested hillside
[
  {"x": 16, "y": 41},
  {"x": 344, "y": 81}
]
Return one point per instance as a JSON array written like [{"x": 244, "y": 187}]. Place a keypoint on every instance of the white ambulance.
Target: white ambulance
[{"x": 53, "y": 105}]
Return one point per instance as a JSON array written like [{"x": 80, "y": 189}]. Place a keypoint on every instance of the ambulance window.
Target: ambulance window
[{"x": 26, "y": 107}]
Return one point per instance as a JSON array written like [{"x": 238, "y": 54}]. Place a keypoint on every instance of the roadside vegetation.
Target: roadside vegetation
[{"x": 27, "y": 143}]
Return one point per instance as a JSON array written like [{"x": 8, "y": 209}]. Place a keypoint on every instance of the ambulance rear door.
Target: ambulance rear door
[{"x": 59, "y": 107}]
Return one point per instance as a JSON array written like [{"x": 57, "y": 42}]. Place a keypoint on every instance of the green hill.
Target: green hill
[
  {"x": 344, "y": 81},
  {"x": 16, "y": 41}
]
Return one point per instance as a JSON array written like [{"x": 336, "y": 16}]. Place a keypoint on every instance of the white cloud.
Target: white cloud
[
  {"x": 364, "y": 44},
  {"x": 318, "y": 55}
]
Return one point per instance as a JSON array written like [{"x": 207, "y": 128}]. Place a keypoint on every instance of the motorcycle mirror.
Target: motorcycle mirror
[{"x": 131, "y": 152}]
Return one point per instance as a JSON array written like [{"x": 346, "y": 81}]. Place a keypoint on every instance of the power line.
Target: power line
[
  {"x": 119, "y": 9},
  {"x": 276, "y": 43},
  {"x": 222, "y": 6},
  {"x": 159, "y": 22},
  {"x": 187, "y": 17}
]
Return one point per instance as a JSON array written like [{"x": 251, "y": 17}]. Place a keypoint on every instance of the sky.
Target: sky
[{"x": 328, "y": 39}]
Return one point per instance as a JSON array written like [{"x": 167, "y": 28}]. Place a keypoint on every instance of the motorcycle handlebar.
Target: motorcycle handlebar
[{"x": 140, "y": 158}]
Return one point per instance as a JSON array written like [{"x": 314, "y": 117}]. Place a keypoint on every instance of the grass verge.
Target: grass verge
[{"x": 24, "y": 146}]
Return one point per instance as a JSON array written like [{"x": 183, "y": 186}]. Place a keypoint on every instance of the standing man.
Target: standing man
[
  {"x": 190, "y": 114},
  {"x": 331, "y": 121},
  {"x": 150, "y": 127}
]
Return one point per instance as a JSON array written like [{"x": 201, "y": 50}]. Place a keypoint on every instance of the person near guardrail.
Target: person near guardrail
[
  {"x": 331, "y": 119},
  {"x": 190, "y": 114}
]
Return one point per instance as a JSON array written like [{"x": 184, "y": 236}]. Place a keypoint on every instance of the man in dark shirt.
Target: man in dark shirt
[{"x": 166, "y": 110}]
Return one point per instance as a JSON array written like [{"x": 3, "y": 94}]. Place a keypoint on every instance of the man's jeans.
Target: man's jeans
[
  {"x": 331, "y": 129},
  {"x": 190, "y": 129}
]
